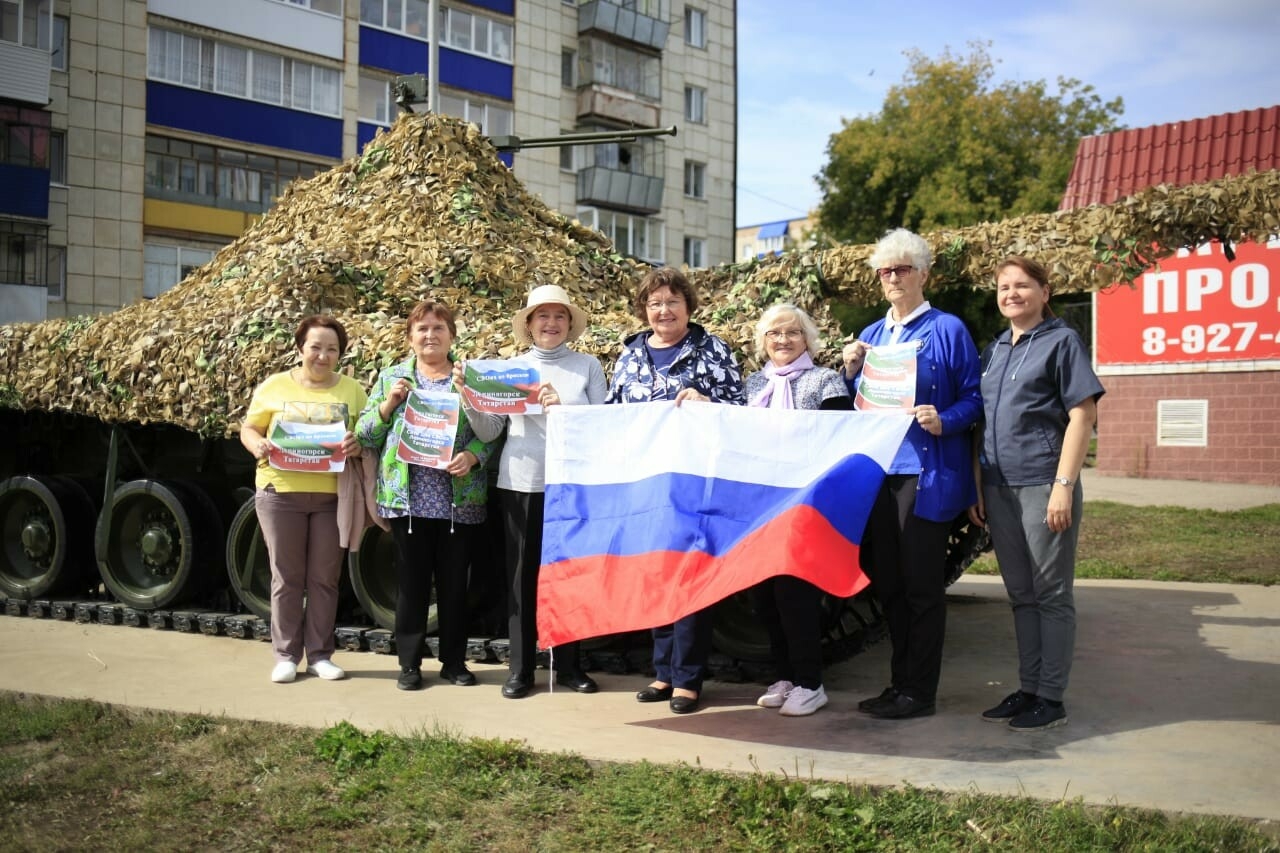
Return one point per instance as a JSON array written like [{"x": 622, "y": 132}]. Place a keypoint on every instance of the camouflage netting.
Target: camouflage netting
[{"x": 429, "y": 210}]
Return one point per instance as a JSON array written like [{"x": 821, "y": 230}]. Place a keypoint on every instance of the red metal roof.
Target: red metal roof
[{"x": 1110, "y": 166}]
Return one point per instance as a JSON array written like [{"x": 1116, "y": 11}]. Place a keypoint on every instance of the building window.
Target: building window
[
  {"x": 329, "y": 7},
  {"x": 56, "y": 273},
  {"x": 24, "y": 253},
  {"x": 694, "y": 251},
  {"x": 401, "y": 16},
  {"x": 475, "y": 34},
  {"x": 165, "y": 266},
  {"x": 375, "y": 100},
  {"x": 695, "y": 27},
  {"x": 58, "y": 157},
  {"x": 638, "y": 236},
  {"x": 242, "y": 72},
  {"x": 492, "y": 119},
  {"x": 569, "y": 68},
  {"x": 26, "y": 23},
  {"x": 178, "y": 170},
  {"x": 695, "y": 104},
  {"x": 609, "y": 64},
  {"x": 653, "y": 8},
  {"x": 60, "y": 43},
  {"x": 695, "y": 176},
  {"x": 24, "y": 136}
]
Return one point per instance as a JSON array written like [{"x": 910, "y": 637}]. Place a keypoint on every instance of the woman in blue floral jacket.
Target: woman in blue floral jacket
[{"x": 675, "y": 360}]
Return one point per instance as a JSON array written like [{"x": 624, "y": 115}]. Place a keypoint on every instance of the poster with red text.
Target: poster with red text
[
  {"x": 501, "y": 387},
  {"x": 428, "y": 428},
  {"x": 307, "y": 436}
]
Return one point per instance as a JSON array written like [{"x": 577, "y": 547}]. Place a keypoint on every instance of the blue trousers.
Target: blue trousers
[{"x": 680, "y": 651}]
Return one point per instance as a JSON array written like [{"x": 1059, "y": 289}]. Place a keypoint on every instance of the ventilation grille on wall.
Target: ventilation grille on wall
[{"x": 1182, "y": 423}]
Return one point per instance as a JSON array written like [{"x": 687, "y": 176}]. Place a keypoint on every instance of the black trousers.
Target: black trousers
[
  {"x": 790, "y": 610},
  {"x": 431, "y": 552},
  {"x": 522, "y": 521},
  {"x": 905, "y": 558}
]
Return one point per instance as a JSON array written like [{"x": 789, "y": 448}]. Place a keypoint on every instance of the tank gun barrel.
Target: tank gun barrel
[{"x": 515, "y": 143}]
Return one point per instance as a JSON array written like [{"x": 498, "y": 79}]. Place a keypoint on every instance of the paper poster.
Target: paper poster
[
  {"x": 888, "y": 380},
  {"x": 428, "y": 429},
  {"x": 501, "y": 387},
  {"x": 308, "y": 436}
]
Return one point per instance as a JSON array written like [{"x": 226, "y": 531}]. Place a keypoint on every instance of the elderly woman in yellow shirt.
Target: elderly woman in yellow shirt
[{"x": 297, "y": 510}]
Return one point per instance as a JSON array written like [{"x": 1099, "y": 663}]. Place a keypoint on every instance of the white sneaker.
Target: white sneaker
[
  {"x": 776, "y": 694},
  {"x": 327, "y": 669},
  {"x": 284, "y": 672},
  {"x": 802, "y": 702}
]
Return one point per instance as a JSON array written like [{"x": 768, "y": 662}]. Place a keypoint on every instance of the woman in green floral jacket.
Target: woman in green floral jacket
[{"x": 435, "y": 513}]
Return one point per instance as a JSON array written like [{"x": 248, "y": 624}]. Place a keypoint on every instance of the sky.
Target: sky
[{"x": 804, "y": 65}]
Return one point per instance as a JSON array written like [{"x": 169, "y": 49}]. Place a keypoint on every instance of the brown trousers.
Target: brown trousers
[{"x": 301, "y": 532}]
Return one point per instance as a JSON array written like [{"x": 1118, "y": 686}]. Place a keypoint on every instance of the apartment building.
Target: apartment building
[{"x": 137, "y": 137}]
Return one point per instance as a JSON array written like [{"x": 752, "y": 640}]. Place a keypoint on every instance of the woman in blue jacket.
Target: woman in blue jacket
[{"x": 930, "y": 481}]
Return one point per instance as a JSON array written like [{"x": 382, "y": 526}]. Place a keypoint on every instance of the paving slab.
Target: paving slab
[{"x": 1174, "y": 702}]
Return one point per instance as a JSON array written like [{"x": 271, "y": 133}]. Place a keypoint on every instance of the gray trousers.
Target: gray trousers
[{"x": 1038, "y": 567}]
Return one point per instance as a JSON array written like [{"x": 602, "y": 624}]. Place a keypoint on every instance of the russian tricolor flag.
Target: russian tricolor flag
[{"x": 654, "y": 512}]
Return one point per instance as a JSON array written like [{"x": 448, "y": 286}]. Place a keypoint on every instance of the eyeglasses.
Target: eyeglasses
[
  {"x": 887, "y": 272},
  {"x": 788, "y": 335},
  {"x": 670, "y": 305}
]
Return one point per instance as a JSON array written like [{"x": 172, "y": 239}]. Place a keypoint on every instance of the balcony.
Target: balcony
[
  {"x": 613, "y": 188},
  {"x": 598, "y": 101},
  {"x": 628, "y": 24}
]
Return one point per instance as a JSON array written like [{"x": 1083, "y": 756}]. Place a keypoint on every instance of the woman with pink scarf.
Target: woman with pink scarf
[{"x": 791, "y": 608}]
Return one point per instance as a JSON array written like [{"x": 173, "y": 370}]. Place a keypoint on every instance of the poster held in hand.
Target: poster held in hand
[
  {"x": 501, "y": 387},
  {"x": 428, "y": 429},
  {"x": 307, "y": 436}
]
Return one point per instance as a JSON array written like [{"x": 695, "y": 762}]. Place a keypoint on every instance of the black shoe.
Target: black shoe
[
  {"x": 459, "y": 675},
  {"x": 577, "y": 680},
  {"x": 410, "y": 678},
  {"x": 866, "y": 706},
  {"x": 518, "y": 685},
  {"x": 684, "y": 704},
  {"x": 902, "y": 707},
  {"x": 654, "y": 694},
  {"x": 1013, "y": 705},
  {"x": 1041, "y": 715}
]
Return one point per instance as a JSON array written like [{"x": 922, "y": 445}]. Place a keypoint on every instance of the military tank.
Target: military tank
[{"x": 121, "y": 480}]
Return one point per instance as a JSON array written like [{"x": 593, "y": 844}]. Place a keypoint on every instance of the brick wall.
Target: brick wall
[{"x": 1244, "y": 427}]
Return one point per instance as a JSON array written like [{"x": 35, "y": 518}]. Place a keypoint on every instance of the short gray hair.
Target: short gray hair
[
  {"x": 900, "y": 244},
  {"x": 783, "y": 311}
]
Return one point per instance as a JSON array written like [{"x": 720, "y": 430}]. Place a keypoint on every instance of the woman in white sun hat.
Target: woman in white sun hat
[{"x": 547, "y": 324}]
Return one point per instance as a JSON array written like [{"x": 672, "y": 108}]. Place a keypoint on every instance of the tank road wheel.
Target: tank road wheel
[
  {"x": 155, "y": 548},
  {"x": 965, "y": 543},
  {"x": 372, "y": 567},
  {"x": 247, "y": 563},
  {"x": 43, "y": 546},
  {"x": 737, "y": 632}
]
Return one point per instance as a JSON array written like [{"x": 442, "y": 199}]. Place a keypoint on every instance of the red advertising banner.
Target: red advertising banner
[{"x": 1197, "y": 307}]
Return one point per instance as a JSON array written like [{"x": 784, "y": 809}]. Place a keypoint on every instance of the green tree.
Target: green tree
[{"x": 949, "y": 148}]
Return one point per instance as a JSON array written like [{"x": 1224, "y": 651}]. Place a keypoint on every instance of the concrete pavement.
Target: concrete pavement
[
  {"x": 1188, "y": 493},
  {"x": 1174, "y": 702}
]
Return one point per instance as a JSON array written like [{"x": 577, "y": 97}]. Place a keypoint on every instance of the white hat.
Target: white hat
[{"x": 547, "y": 294}]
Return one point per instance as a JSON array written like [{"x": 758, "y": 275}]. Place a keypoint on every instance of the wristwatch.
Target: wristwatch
[{"x": 1064, "y": 481}]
